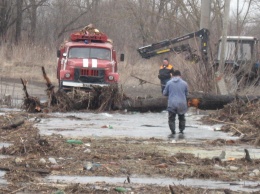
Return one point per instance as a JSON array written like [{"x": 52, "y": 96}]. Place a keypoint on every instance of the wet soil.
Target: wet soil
[{"x": 30, "y": 158}]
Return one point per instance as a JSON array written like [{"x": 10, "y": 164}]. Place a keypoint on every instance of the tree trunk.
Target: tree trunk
[
  {"x": 198, "y": 100},
  {"x": 5, "y": 15},
  {"x": 33, "y": 20},
  {"x": 19, "y": 6}
]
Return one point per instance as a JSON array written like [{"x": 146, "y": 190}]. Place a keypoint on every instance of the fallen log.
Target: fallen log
[
  {"x": 145, "y": 104},
  {"x": 214, "y": 102},
  {"x": 199, "y": 100}
]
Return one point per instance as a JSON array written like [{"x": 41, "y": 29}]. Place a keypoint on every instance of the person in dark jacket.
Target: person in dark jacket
[
  {"x": 165, "y": 73},
  {"x": 177, "y": 91}
]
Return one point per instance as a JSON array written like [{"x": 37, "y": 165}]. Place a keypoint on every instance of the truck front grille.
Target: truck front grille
[
  {"x": 89, "y": 75},
  {"x": 89, "y": 72}
]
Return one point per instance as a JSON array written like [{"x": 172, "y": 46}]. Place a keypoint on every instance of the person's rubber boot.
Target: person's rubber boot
[
  {"x": 172, "y": 127},
  {"x": 182, "y": 126}
]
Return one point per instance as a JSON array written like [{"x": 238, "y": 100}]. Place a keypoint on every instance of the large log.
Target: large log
[
  {"x": 214, "y": 102},
  {"x": 145, "y": 104},
  {"x": 199, "y": 100}
]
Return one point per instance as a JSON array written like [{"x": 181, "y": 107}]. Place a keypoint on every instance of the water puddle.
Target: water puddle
[
  {"x": 4, "y": 144},
  {"x": 2, "y": 180},
  {"x": 235, "y": 152},
  {"x": 135, "y": 125},
  {"x": 4, "y": 110},
  {"x": 246, "y": 186}
]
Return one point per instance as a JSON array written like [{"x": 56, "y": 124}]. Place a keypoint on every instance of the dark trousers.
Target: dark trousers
[
  {"x": 171, "y": 121},
  {"x": 163, "y": 84}
]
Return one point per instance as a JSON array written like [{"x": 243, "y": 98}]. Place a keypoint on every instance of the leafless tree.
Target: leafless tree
[
  {"x": 31, "y": 7},
  {"x": 19, "y": 13},
  {"x": 6, "y": 11}
]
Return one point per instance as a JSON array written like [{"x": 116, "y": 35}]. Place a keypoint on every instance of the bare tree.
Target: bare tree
[
  {"x": 19, "y": 13},
  {"x": 31, "y": 7},
  {"x": 6, "y": 11},
  {"x": 79, "y": 11},
  {"x": 242, "y": 14}
]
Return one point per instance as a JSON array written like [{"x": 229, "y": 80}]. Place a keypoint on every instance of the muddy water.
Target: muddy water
[
  {"x": 136, "y": 125},
  {"x": 144, "y": 125},
  {"x": 209, "y": 184},
  {"x": 3, "y": 111},
  {"x": 211, "y": 151},
  {"x": 2, "y": 180},
  {"x": 4, "y": 144}
]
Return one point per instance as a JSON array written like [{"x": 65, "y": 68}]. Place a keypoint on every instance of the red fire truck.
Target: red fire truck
[{"x": 87, "y": 59}]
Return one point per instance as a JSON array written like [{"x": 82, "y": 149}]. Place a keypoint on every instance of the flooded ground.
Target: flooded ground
[
  {"x": 128, "y": 149},
  {"x": 136, "y": 125},
  {"x": 243, "y": 186},
  {"x": 144, "y": 125}
]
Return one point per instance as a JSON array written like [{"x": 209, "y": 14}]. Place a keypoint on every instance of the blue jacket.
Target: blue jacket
[{"x": 177, "y": 91}]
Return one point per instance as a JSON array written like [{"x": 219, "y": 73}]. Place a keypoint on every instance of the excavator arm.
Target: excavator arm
[{"x": 166, "y": 46}]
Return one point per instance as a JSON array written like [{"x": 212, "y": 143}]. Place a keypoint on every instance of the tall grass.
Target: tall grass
[{"x": 25, "y": 61}]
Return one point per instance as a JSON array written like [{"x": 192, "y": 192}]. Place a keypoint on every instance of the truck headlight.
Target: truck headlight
[
  {"x": 67, "y": 75},
  {"x": 111, "y": 77}
]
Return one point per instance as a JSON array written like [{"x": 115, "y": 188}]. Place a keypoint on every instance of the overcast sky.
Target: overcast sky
[{"x": 233, "y": 4}]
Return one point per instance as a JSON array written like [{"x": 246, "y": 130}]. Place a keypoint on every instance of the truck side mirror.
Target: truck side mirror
[
  {"x": 58, "y": 53},
  {"x": 122, "y": 57}
]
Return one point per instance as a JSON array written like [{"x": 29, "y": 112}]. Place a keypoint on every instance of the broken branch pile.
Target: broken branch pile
[
  {"x": 99, "y": 98},
  {"x": 240, "y": 117}
]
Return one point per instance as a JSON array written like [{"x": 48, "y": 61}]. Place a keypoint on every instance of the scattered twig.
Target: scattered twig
[
  {"x": 216, "y": 120},
  {"x": 109, "y": 169},
  {"x": 237, "y": 130},
  {"x": 18, "y": 189}
]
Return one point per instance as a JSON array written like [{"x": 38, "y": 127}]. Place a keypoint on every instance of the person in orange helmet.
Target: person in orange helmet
[{"x": 165, "y": 73}]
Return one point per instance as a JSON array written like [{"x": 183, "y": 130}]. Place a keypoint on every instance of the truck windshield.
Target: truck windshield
[
  {"x": 89, "y": 53},
  {"x": 236, "y": 51}
]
